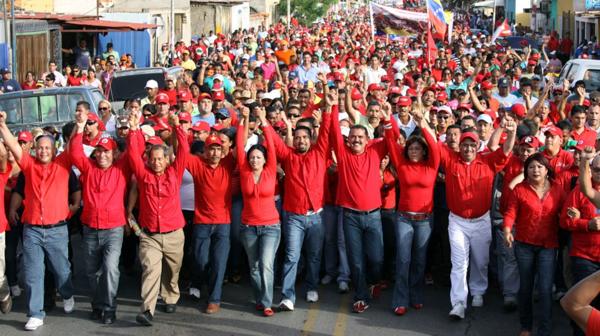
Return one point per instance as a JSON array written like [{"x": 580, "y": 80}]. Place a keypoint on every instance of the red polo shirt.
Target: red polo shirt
[
  {"x": 535, "y": 220},
  {"x": 416, "y": 179},
  {"x": 584, "y": 243},
  {"x": 469, "y": 185},
  {"x": 160, "y": 205},
  {"x": 212, "y": 190},
  {"x": 304, "y": 173},
  {"x": 359, "y": 180},
  {"x": 3, "y": 180},
  {"x": 47, "y": 189},
  {"x": 587, "y": 136},
  {"x": 560, "y": 162},
  {"x": 259, "y": 197},
  {"x": 103, "y": 190}
]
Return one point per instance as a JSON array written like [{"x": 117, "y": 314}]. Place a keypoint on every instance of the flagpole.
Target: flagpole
[
  {"x": 493, "y": 18},
  {"x": 372, "y": 24}
]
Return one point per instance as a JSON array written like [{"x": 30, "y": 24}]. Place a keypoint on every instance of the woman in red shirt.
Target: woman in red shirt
[
  {"x": 30, "y": 83},
  {"x": 74, "y": 78},
  {"x": 261, "y": 231},
  {"x": 533, "y": 209},
  {"x": 417, "y": 164}
]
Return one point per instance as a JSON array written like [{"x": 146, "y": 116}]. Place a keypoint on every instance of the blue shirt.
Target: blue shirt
[
  {"x": 210, "y": 119},
  {"x": 10, "y": 85},
  {"x": 305, "y": 75}
]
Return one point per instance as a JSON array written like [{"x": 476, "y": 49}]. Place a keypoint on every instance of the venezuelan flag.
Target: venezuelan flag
[{"x": 435, "y": 11}]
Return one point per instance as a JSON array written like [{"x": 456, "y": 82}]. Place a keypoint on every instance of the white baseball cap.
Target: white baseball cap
[
  {"x": 486, "y": 118},
  {"x": 151, "y": 84}
]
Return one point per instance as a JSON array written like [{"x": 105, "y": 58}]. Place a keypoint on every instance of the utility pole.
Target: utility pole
[
  {"x": 288, "y": 14},
  {"x": 13, "y": 43},
  {"x": 172, "y": 30}
]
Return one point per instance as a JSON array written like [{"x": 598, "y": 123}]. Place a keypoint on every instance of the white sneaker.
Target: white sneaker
[
  {"x": 286, "y": 305},
  {"x": 312, "y": 296},
  {"x": 195, "y": 292},
  {"x": 458, "y": 311},
  {"x": 343, "y": 287},
  {"x": 69, "y": 305},
  {"x": 15, "y": 291},
  {"x": 327, "y": 279},
  {"x": 33, "y": 323},
  {"x": 477, "y": 301}
]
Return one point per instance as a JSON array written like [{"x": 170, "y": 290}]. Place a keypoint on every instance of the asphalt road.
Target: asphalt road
[{"x": 330, "y": 316}]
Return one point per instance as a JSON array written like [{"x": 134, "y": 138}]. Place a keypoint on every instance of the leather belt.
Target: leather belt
[
  {"x": 359, "y": 212},
  {"x": 146, "y": 231},
  {"x": 52, "y": 226},
  {"x": 415, "y": 216}
]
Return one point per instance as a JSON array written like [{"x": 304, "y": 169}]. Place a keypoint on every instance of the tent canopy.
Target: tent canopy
[{"x": 489, "y": 3}]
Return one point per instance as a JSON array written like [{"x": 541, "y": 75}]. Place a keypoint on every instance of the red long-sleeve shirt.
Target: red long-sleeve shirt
[
  {"x": 513, "y": 168},
  {"x": 416, "y": 179},
  {"x": 389, "y": 184},
  {"x": 4, "y": 176},
  {"x": 469, "y": 186},
  {"x": 212, "y": 190},
  {"x": 560, "y": 162},
  {"x": 359, "y": 179},
  {"x": 103, "y": 190},
  {"x": 535, "y": 220},
  {"x": 584, "y": 243},
  {"x": 304, "y": 172},
  {"x": 259, "y": 203},
  {"x": 160, "y": 205},
  {"x": 47, "y": 189}
]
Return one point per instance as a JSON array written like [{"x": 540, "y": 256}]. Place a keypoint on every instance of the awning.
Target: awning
[
  {"x": 489, "y": 3},
  {"x": 103, "y": 26}
]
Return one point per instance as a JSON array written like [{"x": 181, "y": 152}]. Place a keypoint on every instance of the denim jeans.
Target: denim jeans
[
  {"x": 531, "y": 260},
  {"x": 302, "y": 231},
  {"x": 364, "y": 242},
  {"x": 260, "y": 243},
  {"x": 581, "y": 269},
  {"x": 336, "y": 259},
  {"x": 508, "y": 271},
  {"x": 235, "y": 252},
  {"x": 388, "y": 227},
  {"x": 102, "y": 252},
  {"x": 38, "y": 244},
  {"x": 412, "y": 239},
  {"x": 211, "y": 250}
]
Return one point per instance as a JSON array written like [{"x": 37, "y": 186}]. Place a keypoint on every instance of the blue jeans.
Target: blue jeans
[
  {"x": 102, "y": 252},
  {"x": 532, "y": 259},
  {"x": 336, "y": 259},
  {"x": 582, "y": 268},
  {"x": 508, "y": 271},
  {"x": 364, "y": 242},
  {"x": 235, "y": 252},
  {"x": 40, "y": 243},
  {"x": 412, "y": 239},
  {"x": 308, "y": 231},
  {"x": 211, "y": 249},
  {"x": 260, "y": 243}
]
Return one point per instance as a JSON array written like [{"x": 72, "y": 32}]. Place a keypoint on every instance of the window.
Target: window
[
  {"x": 592, "y": 80},
  {"x": 67, "y": 103},
  {"x": 30, "y": 110},
  {"x": 48, "y": 108},
  {"x": 12, "y": 109}
]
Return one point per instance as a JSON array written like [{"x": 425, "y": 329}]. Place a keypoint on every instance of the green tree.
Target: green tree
[{"x": 305, "y": 11}]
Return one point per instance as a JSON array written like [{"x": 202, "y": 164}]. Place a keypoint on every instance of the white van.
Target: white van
[{"x": 582, "y": 69}]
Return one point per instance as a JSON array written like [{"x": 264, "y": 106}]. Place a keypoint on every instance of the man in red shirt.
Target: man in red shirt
[
  {"x": 560, "y": 159},
  {"x": 469, "y": 179},
  {"x": 45, "y": 233},
  {"x": 93, "y": 127},
  {"x": 104, "y": 183},
  {"x": 5, "y": 170},
  {"x": 212, "y": 197},
  {"x": 161, "y": 219},
  {"x": 359, "y": 195},
  {"x": 304, "y": 168},
  {"x": 581, "y": 132}
]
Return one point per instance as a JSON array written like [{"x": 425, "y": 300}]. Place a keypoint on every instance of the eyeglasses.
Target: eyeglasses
[
  {"x": 90, "y": 122},
  {"x": 443, "y": 117},
  {"x": 103, "y": 108},
  {"x": 294, "y": 116}
]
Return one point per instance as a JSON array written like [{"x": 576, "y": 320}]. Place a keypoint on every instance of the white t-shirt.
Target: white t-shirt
[
  {"x": 373, "y": 76},
  {"x": 507, "y": 101},
  {"x": 186, "y": 191}
]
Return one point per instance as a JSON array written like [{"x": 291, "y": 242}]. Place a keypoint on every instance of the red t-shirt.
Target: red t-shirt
[
  {"x": 584, "y": 243},
  {"x": 3, "y": 181}
]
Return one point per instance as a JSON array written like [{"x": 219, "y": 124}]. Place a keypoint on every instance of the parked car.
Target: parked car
[
  {"x": 587, "y": 70},
  {"x": 129, "y": 84},
  {"x": 46, "y": 107}
]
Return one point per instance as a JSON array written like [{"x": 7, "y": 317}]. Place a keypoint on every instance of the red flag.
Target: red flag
[
  {"x": 431, "y": 49},
  {"x": 503, "y": 30}
]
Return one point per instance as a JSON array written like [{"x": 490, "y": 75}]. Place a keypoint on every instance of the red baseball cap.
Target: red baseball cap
[
  {"x": 107, "y": 144},
  {"x": 464, "y": 106},
  {"x": 395, "y": 90},
  {"x": 201, "y": 126},
  {"x": 355, "y": 95},
  {"x": 441, "y": 96},
  {"x": 25, "y": 136},
  {"x": 204, "y": 95},
  {"x": 217, "y": 127},
  {"x": 184, "y": 116},
  {"x": 213, "y": 140},
  {"x": 184, "y": 96},
  {"x": 519, "y": 110},
  {"x": 160, "y": 126},
  {"x": 161, "y": 98},
  {"x": 469, "y": 135},
  {"x": 374, "y": 87},
  {"x": 218, "y": 95},
  {"x": 486, "y": 85},
  {"x": 530, "y": 141},
  {"x": 553, "y": 130},
  {"x": 154, "y": 140},
  {"x": 404, "y": 101},
  {"x": 95, "y": 118},
  {"x": 531, "y": 62}
]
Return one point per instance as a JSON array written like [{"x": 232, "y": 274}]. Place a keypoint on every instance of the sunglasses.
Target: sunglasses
[
  {"x": 103, "y": 108},
  {"x": 294, "y": 116},
  {"x": 90, "y": 122},
  {"x": 443, "y": 117}
]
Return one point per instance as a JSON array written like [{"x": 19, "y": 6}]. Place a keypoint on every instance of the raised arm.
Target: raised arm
[
  {"x": 76, "y": 145},
  {"x": 323, "y": 138},
  {"x": 268, "y": 133},
  {"x": 183, "y": 147},
  {"x": 241, "y": 136},
  {"x": 133, "y": 152},
  {"x": 9, "y": 140},
  {"x": 585, "y": 179},
  {"x": 511, "y": 129},
  {"x": 577, "y": 301},
  {"x": 281, "y": 148}
]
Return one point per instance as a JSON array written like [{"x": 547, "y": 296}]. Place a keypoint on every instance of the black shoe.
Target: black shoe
[
  {"x": 109, "y": 317},
  {"x": 170, "y": 308},
  {"x": 144, "y": 318},
  {"x": 96, "y": 314}
]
